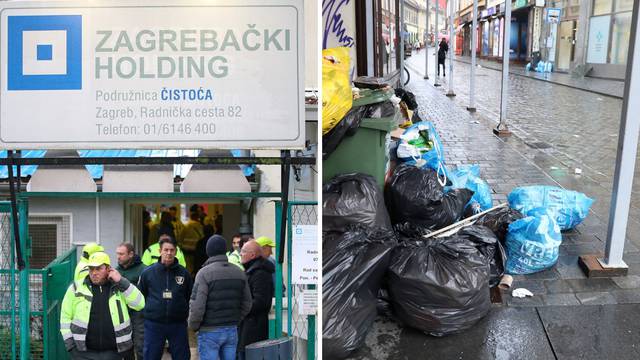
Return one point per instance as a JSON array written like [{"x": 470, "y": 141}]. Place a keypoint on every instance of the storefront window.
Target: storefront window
[
  {"x": 601, "y": 7},
  {"x": 620, "y": 38},
  {"x": 387, "y": 38},
  {"x": 624, "y": 5}
]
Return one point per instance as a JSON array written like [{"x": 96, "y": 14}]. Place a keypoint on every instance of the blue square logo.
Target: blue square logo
[{"x": 45, "y": 52}]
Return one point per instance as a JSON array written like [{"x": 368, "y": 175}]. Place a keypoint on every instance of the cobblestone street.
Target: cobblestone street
[
  {"x": 559, "y": 128},
  {"x": 552, "y": 136}
]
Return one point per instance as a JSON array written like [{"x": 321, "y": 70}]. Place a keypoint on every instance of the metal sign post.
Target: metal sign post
[
  {"x": 502, "y": 129},
  {"x": 472, "y": 75},
  {"x": 437, "y": 32},
  {"x": 612, "y": 263},
  {"x": 426, "y": 44},
  {"x": 452, "y": 37}
]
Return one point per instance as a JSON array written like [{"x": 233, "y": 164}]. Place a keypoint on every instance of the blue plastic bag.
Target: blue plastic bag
[
  {"x": 569, "y": 208},
  {"x": 533, "y": 244},
  {"x": 468, "y": 177},
  {"x": 432, "y": 159}
]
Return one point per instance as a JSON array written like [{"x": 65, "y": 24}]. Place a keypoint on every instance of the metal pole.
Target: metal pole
[
  {"x": 435, "y": 81},
  {"x": 452, "y": 40},
  {"x": 474, "y": 40},
  {"x": 627, "y": 150},
  {"x": 426, "y": 45},
  {"x": 25, "y": 304},
  {"x": 401, "y": 43},
  {"x": 502, "y": 129}
]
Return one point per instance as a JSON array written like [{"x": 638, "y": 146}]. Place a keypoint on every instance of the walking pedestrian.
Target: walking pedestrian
[
  {"x": 81, "y": 270},
  {"x": 130, "y": 266},
  {"x": 94, "y": 321},
  {"x": 220, "y": 300},
  {"x": 443, "y": 48},
  {"x": 167, "y": 288},
  {"x": 255, "y": 326}
]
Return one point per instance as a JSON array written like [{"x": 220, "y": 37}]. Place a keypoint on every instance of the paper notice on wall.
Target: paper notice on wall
[
  {"x": 308, "y": 302},
  {"x": 305, "y": 255}
]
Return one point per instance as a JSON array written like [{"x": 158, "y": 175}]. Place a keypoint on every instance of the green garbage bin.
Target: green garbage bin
[{"x": 365, "y": 152}]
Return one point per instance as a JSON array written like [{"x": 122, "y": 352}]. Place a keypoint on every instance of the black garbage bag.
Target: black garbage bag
[
  {"x": 499, "y": 220},
  {"x": 408, "y": 232},
  {"x": 407, "y": 97},
  {"x": 441, "y": 286},
  {"x": 497, "y": 265},
  {"x": 346, "y": 127},
  {"x": 414, "y": 195},
  {"x": 383, "y": 305},
  {"x": 353, "y": 199},
  {"x": 353, "y": 267}
]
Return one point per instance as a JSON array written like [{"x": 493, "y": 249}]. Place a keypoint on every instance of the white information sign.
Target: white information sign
[
  {"x": 305, "y": 255},
  {"x": 598, "y": 39},
  {"x": 308, "y": 302},
  {"x": 152, "y": 74}
]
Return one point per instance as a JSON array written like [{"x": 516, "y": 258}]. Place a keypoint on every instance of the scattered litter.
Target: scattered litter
[
  {"x": 599, "y": 99},
  {"x": 505, "y": 282},
  {"x": 476, "y": 122},
  {"x": 576, "y": 135},
  {"x": 578, "y": 171},
  {"x": 554, "y": 168},
  {"x": 521, "y": 293}
]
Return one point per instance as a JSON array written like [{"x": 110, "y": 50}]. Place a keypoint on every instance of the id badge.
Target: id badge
[{"x": 166, "y": 294}]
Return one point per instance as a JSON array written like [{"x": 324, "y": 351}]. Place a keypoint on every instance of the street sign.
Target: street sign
[
  {"x": 152, "y": 74},
  {"x": 553, "y": 15},
  {"x": 305, "y": 255}
]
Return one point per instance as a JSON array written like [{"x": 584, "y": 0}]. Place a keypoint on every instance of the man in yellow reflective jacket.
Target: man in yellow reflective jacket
[{"x": 94, "y": 319}]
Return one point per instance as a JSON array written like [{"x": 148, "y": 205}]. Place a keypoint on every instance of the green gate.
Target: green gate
[
  {"x": 43, "y": 292},
  {"x": 302, "y": 328}
]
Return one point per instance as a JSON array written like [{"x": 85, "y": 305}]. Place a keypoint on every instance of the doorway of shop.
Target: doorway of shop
[{"x": 566, "y": 44}]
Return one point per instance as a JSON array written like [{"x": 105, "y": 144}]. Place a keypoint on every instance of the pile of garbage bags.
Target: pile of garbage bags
[
  {"x": 533, "y": 243},
  {"x": 435, "y": 282},
  {"x": 357, "y": 242}
]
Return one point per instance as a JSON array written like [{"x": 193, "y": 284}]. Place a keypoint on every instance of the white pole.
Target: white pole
[
  {"x": 437, "y": 33},
  {"x": 502, "y": 129},
  {"x": 426, "y": 45},
  {"x": 452, "y": 39},
  {"x": 627, "y": 151},
  {"x": 474, "y": 40}
]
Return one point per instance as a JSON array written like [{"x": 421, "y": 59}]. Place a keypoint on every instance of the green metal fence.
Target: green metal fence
[{"x": 42, "y": 289}]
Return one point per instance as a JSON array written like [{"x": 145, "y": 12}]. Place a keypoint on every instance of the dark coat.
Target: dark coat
[
  {"x": 154, "y": 281},
  {"x": 220, "y": 297},
  {"x": 255, "y": 326},
  {"x": 442, "y": 51}
]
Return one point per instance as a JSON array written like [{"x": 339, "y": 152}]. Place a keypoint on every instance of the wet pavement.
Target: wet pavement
[
  {"x": 569, "y": 316},
  {"x": 531, "y": 333}
]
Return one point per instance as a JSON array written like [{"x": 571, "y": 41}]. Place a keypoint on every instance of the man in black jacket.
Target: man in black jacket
[
  {"x": 167, "y": 287},
  {"x": 130, "y": 266},
  {"x": 255, "y": 327},
  {"x": 220, "y": 299}
]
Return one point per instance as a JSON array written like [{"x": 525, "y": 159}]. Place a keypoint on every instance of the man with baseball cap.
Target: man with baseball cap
[
  {"x": 94, "y": 319},
  {"x": 267, "y": 245},
  {"x": 81, "y": 268}
]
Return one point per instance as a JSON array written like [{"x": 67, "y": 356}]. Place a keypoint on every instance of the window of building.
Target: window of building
[
  {"x": 610, "y": 27},
  {"x": 621, "y": 25},
  {"x": 50, "y": 237},
  {"x": 601, "y": 7},
  {"x": 387, "y": 36}
]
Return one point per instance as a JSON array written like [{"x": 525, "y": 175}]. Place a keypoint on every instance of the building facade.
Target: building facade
[{"x": 592, "y": 35}]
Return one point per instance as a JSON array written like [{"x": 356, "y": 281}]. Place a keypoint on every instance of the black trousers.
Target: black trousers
[{"x": 443, "y": 68}]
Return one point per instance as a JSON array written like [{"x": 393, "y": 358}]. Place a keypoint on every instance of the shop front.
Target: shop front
[{"x": 608, "y": 37}]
